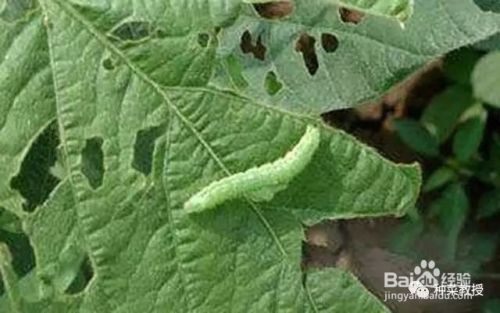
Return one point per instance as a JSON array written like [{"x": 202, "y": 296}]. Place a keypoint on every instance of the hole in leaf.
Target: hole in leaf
[
  {"x": 203, "y": 39},
  {"x": 488, "y": 5},
  {"x": 350, "y": 16},
  {"x": 272, "y": 84},
  {"x": 82, "y": 278},
  {"x": 93, "y": 161},
  {"x": 305, "y": 45},
  {"x": 144, "y": 148},
  {"x": 160, "y": 33},
  {"x": 274, "y": 10},
  {"x": 132, "y": 31},
  {"x": 23, "y": 256},
  {"x": 329, "y": 42},
  {"x": 13, "y": 10},
  {"x": 258, "y": 50},
  {"x": 35, "y": 181},
  {"x": 108, "y": 64},
  {"x": 325, "y": 245}
]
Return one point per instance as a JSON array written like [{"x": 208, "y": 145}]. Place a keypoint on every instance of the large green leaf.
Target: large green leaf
[
  {"x": 139, "y": 131},
  {"x": 324, "y": 63},
  {"x": 109, "y": 98}
]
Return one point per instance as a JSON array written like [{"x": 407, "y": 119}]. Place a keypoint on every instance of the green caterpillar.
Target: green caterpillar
[{"x": 258, "y": 183}]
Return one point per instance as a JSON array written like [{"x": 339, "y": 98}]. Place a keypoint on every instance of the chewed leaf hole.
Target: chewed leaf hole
[
  {"x": 329, "y": 42},
  {"x": 350, "y": 16},
  {"x": 272, "y": 84},
  {"x": 160, "y": 33},
  {"x": 325, "y": 245},
  {"x": 82, "y": 277},
  {"x": 13, "y": 10},
  {"x": 488, "y": 6},
  {"x": 274, "y": 10},
  {"x": 258, "y": 50},
  {"x": 132, "y": 31},
  {"x": 93, "y": 161},
  {"x": 144, "y": 148},
  {"x": 203, "y": 39},
  {"x": 306, "y": 45},
  {"x": 35, "y": 181},
  {"x": 108, "y": 64},
  {"x": 21, "y": 252}
]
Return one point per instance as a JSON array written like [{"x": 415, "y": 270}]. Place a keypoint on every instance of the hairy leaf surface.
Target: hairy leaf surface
[
  {"x": 325, "y": 61},
  {"x": 129, "y": 90}
]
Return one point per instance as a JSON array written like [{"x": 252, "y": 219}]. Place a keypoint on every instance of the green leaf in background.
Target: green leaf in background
[
  {"x": 486, "y": 79},
  {"x": 476, "y": 249},
  {"x": 451, "y": 211},
  {"x": 139, "y": 131},
  {"x": 489, "y": 204},
  {"x": 468, "y": 138},
  {"x": 439, "y": 178},
  {"x": 489, "y": 170},
  {"x": 399, "y": 9},
  {"x": 490, "y": 44},
  {"x": 494, "y": 154},
  {"x": 403, "y": 238},
  {"x": 443, "y": 114},
  {"x": 458, "y": 65},
  {"x": 415, "y": 237},
  {"x": 469, "y": 134},
  {"x": 325, "y": 63},
  {"x": 491, "y": 306},
  {"x": 417, "y": 137}
]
